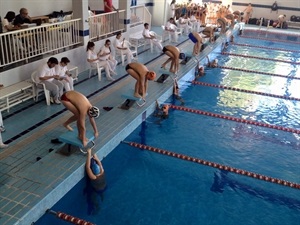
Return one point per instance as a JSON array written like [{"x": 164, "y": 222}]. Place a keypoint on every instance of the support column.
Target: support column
[
  {"x": 80, "y": 10},
  {"x": 125, "y": 4}
]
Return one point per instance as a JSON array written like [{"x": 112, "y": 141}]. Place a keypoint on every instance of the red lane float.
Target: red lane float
[
  {"x": 264, "y": 47},
  {"x": 244, "y": 90},
  {"x": 70, "y": 218},
  {"x": 216, "y": 165},
  {"x": 291, "y": 130},
  {"x": 257, "y": 57},
  {"x": 274, "y": 40},
  {"x": 258, "y": 72}
]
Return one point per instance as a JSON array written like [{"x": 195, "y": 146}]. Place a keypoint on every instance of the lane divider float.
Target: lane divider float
[
  {"x": 262, "y": 58},
  {"x": 274, "y": 40},
  {"x": 244, "y": 90},
  {"x": 231, "y": 118},
  {"x": 216, "y": 165},
  {"x": 258, "y": 72},
  {"x": 69, "y": 218},
  {"x": 265, "y": 47},
  {"x": 269, "y": 32}
]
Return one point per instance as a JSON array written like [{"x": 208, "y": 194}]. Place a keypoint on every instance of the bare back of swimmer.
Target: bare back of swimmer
[
  {"x": 141, "y": 73},
  {"x": 80, "y": 106},
  {"x": 173, "y": 53},
  {"x": 197, "y": 39},
  {"x": 209, "y": 33}
]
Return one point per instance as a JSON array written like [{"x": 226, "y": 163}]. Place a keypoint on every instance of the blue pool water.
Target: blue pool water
[{"x": 149, "y": 188}]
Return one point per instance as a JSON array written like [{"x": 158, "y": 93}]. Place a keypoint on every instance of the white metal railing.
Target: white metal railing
[
  {"x": 139, "y": 15},
  {"x": 26, "y": 43},
  {"x": 105, "y": 24}
]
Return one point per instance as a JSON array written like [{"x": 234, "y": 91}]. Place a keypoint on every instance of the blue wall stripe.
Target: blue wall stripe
[
  {"x": 84, "y": 33},
  {"x": 149, "y": 4}
]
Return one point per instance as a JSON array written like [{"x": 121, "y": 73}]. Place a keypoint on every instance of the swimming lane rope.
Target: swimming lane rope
[
  {"x": 268, "y": 39},
  {"x": 258, "y": 72},
  {"x": 269, "y": 32},
  {"x": 239, "y": 120},
  {"x": 257, "y": 57},
  {"x": 265, "y": 47},
  {"x": 216, "y": 165},
  {"x": 69, "y": 218},
  {"x": 244, "y": 90}
]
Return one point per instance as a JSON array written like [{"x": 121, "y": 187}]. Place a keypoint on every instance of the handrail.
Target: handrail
[
  {"x": 105, "y": 24},
  {"x": 23, "y": 44},
  {"x": 139, "y": 15}
]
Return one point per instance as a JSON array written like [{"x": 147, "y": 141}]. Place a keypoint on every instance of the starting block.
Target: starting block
[
  {"x": 162, "y": 78},
  {"x": 71, "y": 138},
  {"x": 130, "y": 100},
  {"x": 185, "y": 61}
]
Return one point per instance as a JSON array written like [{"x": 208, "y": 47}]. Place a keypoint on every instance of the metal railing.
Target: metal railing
[
  {"x": 16, "y": 46},
  {"x": 139, "y": 15},
  {"x": 103, "y": 25}
]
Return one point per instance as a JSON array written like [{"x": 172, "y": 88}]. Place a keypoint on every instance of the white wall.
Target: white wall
[{"x": 98, "y": 4}]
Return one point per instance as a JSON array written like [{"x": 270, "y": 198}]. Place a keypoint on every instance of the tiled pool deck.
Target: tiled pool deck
[{"x": 29, "y": 187}]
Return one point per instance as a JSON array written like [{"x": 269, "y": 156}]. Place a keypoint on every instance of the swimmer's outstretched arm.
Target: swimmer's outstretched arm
[{"x": 88, "y": 165}]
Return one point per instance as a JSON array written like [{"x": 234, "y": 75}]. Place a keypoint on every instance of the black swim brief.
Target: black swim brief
[{"x": 164, "y": 50}]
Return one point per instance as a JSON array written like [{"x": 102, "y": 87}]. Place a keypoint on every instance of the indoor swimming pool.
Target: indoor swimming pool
[{"x": 258, "y": 86}]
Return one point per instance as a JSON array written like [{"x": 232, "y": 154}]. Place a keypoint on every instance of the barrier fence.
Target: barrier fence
[
  {"x": 30, "y": 42},
  {"x": 103, "y": 25}
]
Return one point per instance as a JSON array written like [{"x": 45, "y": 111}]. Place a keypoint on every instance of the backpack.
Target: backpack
[{"x": 274, "y": 7}]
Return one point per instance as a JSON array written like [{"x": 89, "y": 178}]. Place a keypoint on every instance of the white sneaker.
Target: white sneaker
[
  {"x": 3, "y": 145},
  {"x": 110, "y": 79},
  {"x": 57, "y": 102},
  {"x": 113, "y": 72},
  {"x": 51, "y": 100},
  {"x": 2, "y": 128}
]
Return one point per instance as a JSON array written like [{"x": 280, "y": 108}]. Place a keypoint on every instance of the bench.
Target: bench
[
  {"x": 15, "y": 94},
  {"x": 293, "y": 24}
]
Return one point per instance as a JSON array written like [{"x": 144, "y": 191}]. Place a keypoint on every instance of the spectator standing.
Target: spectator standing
[
  {"x": 281, "y": 20},
  {"x": 173, "y": 8},
  {"x": 248, "y": 13},
  {"x": 108, "y": 6}
]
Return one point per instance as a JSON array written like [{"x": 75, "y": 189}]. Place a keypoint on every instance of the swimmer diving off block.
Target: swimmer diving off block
[{"x": 80, "y": 106}]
